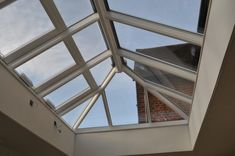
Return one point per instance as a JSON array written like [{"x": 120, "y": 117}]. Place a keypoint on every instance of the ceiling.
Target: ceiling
[{"x": 216, "y": 137}]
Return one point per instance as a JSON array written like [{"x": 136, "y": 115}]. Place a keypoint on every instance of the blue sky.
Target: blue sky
[{"x": 25, "y": 20}]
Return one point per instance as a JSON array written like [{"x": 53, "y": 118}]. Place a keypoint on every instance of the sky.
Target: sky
[{"x": 24, "y": 21}]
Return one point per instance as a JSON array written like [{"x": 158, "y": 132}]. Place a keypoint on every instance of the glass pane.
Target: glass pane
[
  {"x": 185, "y": 107},
  {"x": 160, "y": 111},
  {"x": 67, "y": 91},
  {"x": 183, "y": 14},
  {"x": 74, "y": 114},
  {"x": 100, "y": 71},
  {"x": 90, "y": 41},
  {"x": 96, "y": 116},
  {"x": 47, "y": 64},
  {"x": 163, "y": 78},
  {"x": 157, "y": 46},
  {"x": 122, "y": 100},
  {"x": 74, "y": 10},
  {"x": 22, "y": 21}
]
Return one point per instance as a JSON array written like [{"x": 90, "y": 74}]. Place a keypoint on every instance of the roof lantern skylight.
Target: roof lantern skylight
[{"x": 104, "y": 65}]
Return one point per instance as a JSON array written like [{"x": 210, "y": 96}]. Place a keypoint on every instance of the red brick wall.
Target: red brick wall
[{"x": 159, "y": 111}]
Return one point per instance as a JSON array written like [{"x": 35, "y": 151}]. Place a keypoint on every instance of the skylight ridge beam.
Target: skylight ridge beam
[
  {"x": 108, "y": 32},
  {"x": 66, "y": 107},
  {"x": 19, "y": 57},
  {"x": 169, "y": 104},
  {"x": 159, "y": 64},
  {"x": 69, "y": 74},
  {"x": 107, "y": 111},
  {"x": 191, "y": 37},
  {"x": 95, "y": 98},
  {"x": 156, "y": 87}
]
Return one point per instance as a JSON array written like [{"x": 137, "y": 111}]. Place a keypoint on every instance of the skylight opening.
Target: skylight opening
[{"x": 95, "y": 81}]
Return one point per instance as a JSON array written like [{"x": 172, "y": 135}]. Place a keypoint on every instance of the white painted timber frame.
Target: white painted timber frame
[{"x": 104, "y": 17}]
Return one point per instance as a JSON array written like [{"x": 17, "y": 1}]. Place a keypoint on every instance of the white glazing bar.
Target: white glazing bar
[
  {"x": 69, "y": 74},
  {"x": 169, "y": 104},
  {"x": 27, "y": 55},
  {"x": 27, "y": 48},
  {"x": 53, "y": 14},
  {"x": 161, "y": 65},
  {"x": 147, "y": 107},
  {"x": 86, "y": 111},
  {"x": 94, "y": 99},
  {"x": 75, "y": 53},
  {"x": 72, "y": 103},
  {"x": 108, "y": 32},
  {"x": 159, "y": 88},
  {"x": 58, "y": 21},
  {"x": 184, "y": 35},
  {"x": 106, "y": 106}
]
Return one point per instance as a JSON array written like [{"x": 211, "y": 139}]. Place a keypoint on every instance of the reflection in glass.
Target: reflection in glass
[
  {"x": 122, "y": 100},
  {"x": 96, "y": 116},
  {"x": 101, "y": 70},
  {"x": 72, "y": 116},
  {"x": 157, "y": 46},
  {"x": 47, "y": 64},
  {"x": 22, "y": 21},
  {"x": 182, "y": 14},
  {"x": 90, "y": 41},
  {"x": 161, "y": 77},
  {"x": 185, "y": 107},
  {"x": 160, "y": 112},
  {"x": 74, "y": 10},
  {"x": 67, "y": 91}
]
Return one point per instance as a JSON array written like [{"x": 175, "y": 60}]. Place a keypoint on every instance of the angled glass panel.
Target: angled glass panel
[
  {"x": 74, "y": 10},
  {"x": 67, "y": 91},
  {"x": 157, "y": 46},
  {"x": 163, "y": 78},
  {"x": 96, "y": 116},
  {"x": 183, "y": 14},
  {"x": 47, "y": 64},
  {"x": 21, "y": 22},
  {"x": 122, "y": 100},
  {"x": 185, "y": 107},
  {"x": 160, "y": 112},
  {"x": 72, "y": 116},
  {"x": 100, "y": 71},
  {"x": 90, "y": 41}
]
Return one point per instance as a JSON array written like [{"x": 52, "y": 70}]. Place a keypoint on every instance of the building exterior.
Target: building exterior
[{"x": 183, "y": 55}]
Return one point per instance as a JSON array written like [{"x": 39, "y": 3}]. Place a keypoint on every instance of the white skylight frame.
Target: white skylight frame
[{"x": 104, "y": 17}]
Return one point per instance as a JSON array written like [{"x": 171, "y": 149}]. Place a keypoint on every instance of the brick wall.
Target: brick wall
[{"x": 159, "y": 111}]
